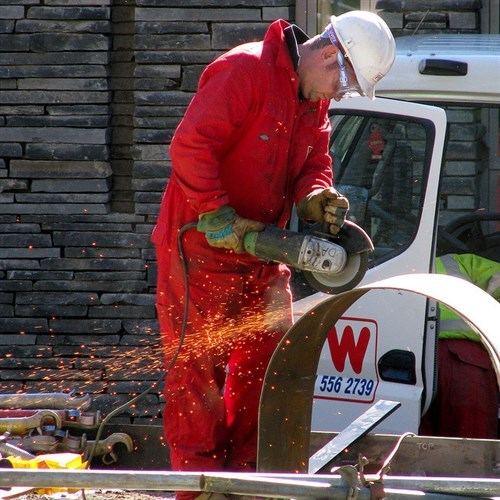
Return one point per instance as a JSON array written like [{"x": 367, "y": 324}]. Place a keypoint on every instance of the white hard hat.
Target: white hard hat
[{"x": 368, "y": 44}]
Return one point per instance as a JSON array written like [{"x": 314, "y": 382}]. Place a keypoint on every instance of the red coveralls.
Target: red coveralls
[{"x": 246, "y": 141}]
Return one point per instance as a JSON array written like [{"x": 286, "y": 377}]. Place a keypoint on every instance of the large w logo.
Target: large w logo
[{"x": 347, "y": 346}]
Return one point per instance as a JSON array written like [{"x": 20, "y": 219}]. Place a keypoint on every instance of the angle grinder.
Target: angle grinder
[{"x": 330, "y": 263}]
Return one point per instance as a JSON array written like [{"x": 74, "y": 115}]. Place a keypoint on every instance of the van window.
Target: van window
[{"x": 378, "y": 164}]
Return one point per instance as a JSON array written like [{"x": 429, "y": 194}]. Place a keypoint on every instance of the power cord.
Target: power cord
[{"x": 164, "y": 372}]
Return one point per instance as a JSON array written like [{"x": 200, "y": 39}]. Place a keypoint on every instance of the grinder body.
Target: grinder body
[{"x": 330, "y": 264}]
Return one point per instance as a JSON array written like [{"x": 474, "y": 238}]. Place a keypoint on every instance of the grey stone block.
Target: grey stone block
[
  {"x": 464, "y": 21},
  {"x": 59, "y": 42},
  {"x": 139, "y": 312},
  {"x": 51, "y": 198},
  {"x": 62, "y": 209},
  {"x": 431, "y": 26},
  {"x": 96, "y": 84},
  {"x": 463, "y": 151},
  {"x": 459, "y": 185},
  {"x": 157, "y": 71},
  {"x": 466, "y": 131},
  {"x": 102, "y": 240},
  {"x": 56, "y": 298},
  {"x": 23, "y": 325},
  {"x": 6, "y": 298},
  {"x": 7, "y": 311},
  {"x": 39, "y": 275},
  {"x": 14, "y": 43},
  {"x": 176, "y": 57},
  {"x": 461, "y": 202},
  {"x": 141, "y": 331},
  {"x": 58, "y": 12},
  {"x": 30, "y": 363},
  {"x": 25, "y": 240},
  {"x": 71, "y": 26},
  {"x": 99, "y": 121},
  {"x": 57, "y": 58},
  {"x": 102, "y": 263},
  {"x": 191, "y": 77},
  {"x": 18, "y": 350},
  {"x": 71, "y": 185},
  {"x": 53, "y": 135},
  {"x": 11, "y": 150},
  {"x": 428, "y": 4},
  {"x": 162, "y": 28},
  {"x": 51, "y": 310},
  {"x": 227, "y": 35},
  {"x": 99, "y": 286},
  {"x": 128, "y": 299},
  {"x": 11, "y": 97},
  {"x": 29, "y": 253},
  {"x": 109, "y": 275},
  {"x": 273, "y": 13},
  {"x": 11, "y": 12},
  {"x": 87, "y": 326},
  {"x": 173, "y": 42},
  {"x": 206, "y": 14},
  {"x": 466, "y": 168},
  {"x": 79, "y": 109},
  {"x": 15, "y": 285},
  {"x": 18, "y": 264},
  {"x": 49, "y": 151},
  {"x": 16, "y": 340}
]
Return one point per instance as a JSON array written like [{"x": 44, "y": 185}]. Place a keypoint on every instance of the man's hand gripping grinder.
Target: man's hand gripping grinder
[{"x": 330, "y": 264}]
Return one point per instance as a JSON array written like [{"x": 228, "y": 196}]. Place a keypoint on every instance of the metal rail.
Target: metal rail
[{"x": 255, "y": 484}]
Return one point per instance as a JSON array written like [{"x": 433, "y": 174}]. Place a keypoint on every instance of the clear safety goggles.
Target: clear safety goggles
[{"x": 346, "y": 87}]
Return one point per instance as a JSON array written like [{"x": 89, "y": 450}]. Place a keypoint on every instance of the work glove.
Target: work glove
[
  {"x": 324, "y": 205},
  {"x": 224, "y": 228}
]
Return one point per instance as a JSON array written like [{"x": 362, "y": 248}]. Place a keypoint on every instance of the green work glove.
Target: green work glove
[
  {"x": 324, "y": 205},
  {"x": 224, "y": 228}
]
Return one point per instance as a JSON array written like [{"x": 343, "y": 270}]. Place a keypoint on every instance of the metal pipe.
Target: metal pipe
[
  {"x": 473, "y": 487},
  {"x": 52, "y": 400},
  {"x": 244, "y": 483},
  {"x": 277, "y": 487},
  {"x": 95, "y": 479}
]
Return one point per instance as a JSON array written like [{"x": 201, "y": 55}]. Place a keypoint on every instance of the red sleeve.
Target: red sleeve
[
  {"x": 219, "y": 107},
  {"x": 317, "y": 170}
]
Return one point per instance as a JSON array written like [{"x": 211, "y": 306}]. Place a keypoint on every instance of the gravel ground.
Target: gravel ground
[
  {"x": 94, "y": 495},
  {"x": 98, "y": 495}
]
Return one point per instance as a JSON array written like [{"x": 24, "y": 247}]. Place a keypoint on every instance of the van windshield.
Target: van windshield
[{"x": 379, "y": 165}]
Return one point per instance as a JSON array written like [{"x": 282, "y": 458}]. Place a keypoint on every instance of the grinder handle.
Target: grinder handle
[{"x": 249, "y": 242}]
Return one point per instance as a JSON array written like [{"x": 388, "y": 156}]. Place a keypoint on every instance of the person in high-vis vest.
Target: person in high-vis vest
[{"x": 466, "y": 403}]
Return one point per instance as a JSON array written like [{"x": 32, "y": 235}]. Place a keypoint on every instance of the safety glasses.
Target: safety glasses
[{"x": 347, "y": 88}]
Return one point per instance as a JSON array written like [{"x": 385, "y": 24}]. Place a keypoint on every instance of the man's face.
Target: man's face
[{"x": 320, "y": 76}]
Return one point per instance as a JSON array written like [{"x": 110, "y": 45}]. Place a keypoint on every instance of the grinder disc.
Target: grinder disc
[
  {"x": 353, "y": 272},
  {"x": 358, "y": 246}
]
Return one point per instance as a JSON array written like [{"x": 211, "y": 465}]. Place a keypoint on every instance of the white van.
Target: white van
[{"x": 389, "y": 158}]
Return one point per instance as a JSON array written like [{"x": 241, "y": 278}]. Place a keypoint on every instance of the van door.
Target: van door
[{"x": 387, "y": 158}]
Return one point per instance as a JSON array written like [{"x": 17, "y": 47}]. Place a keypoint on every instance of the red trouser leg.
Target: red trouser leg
[
  {"x": 247, "y": 367},
  {"x": 210, "y": 420},
  {"x": 466, "y": 403}
]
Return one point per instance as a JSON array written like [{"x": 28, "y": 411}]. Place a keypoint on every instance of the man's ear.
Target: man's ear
[{"x": 329, "y": 54}]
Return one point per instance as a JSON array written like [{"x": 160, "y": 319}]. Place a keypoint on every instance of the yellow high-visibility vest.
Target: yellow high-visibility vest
[{"x": 483, "y": 273}]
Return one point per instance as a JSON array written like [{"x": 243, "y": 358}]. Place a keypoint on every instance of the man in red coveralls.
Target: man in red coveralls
[{"x": 253, "y": 141}]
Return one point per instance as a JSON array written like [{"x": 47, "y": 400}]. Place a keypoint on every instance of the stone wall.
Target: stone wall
[{"x": 91, "y": 92}]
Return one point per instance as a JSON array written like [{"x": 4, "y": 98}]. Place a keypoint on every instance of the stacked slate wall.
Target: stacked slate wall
[
  {"x": 91, "y": 92},
  {"x": 466, "y": 155}
]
